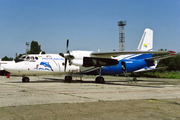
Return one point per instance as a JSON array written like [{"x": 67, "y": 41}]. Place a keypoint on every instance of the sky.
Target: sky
[{"x": 89, "y": 24}]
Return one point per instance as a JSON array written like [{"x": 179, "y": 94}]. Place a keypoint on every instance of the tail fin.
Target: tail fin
[{"x": 146, "y": 43}]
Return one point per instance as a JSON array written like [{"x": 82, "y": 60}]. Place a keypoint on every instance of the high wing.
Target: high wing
[{"x": 110, "y": 54}]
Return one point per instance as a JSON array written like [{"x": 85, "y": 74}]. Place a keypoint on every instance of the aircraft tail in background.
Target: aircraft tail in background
[{"x": 146, "y": 43}]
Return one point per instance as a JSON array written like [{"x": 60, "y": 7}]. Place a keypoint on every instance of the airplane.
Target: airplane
[{"x": 88, "y": 62}]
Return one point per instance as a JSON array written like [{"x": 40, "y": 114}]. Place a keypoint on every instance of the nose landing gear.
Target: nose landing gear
[{"x": 25, "y": 79}]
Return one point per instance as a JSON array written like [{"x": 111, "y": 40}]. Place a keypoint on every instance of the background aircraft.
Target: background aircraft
[{"x": 88, "y": 62}]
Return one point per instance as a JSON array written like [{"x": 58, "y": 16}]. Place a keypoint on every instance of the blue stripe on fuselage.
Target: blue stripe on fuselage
[{"x": 132, "y": 64}]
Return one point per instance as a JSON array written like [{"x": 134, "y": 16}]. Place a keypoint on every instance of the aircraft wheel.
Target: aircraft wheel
[
  {"x": 100, "y": 80},
  {"x": 25, "y": 79},
  {"x": 68, "y": 79}
]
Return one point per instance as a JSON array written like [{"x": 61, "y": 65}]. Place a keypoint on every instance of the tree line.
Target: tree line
[{"x": 172, "y": 63}]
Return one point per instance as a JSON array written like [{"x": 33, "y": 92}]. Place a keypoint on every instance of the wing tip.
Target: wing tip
[{"x": 172, "y": 52}]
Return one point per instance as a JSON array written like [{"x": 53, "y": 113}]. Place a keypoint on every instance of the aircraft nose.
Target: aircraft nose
[
  {"x": 1, "y": 67},
  {"x": 8, "y": 67}
]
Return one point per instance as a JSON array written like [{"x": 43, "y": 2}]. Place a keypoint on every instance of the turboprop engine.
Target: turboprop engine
[
  {"x": 83, "y": 58},
  {"x": 93, "y": 61}
]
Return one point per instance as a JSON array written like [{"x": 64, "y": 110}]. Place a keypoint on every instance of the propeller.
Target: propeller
[
  {"x": 67, "y": 51},
  {"x": 67, "y": 55}
]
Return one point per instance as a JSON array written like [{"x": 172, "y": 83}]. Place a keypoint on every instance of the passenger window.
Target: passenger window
[
  {"x": 32, "y": 58},
  {"x": 36, "y": 58}
]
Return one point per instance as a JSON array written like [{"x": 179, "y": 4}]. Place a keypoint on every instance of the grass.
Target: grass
[
  {"x": 100, "y": 100},
  {"x": 166, "y": 74}
]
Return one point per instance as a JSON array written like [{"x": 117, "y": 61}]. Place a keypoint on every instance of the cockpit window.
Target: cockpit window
[
  {"x": 23, "y": 57},
  {"x": 27, "y": 58}
]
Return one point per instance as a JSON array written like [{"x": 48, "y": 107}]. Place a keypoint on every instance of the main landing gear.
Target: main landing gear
[
  {"x": 25, "y": 79},
  {"x": 100, "y": 79},
  {"x": 68, "y": 79}
]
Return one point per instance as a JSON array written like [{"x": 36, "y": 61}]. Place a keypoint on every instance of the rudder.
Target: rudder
[{"x": 146, "y": 43}]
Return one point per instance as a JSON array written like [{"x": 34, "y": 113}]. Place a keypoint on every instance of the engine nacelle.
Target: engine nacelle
[
  {"x": 92, "y": 61},
  {"x": 83, "y": 58},
  {"x": 77, "y": 62},
  {"x": 80, "y": 54}
]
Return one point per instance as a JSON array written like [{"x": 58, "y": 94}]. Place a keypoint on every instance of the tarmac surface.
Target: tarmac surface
[{"x": 52, "y": 89}]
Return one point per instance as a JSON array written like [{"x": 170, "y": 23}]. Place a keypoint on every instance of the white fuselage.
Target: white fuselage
[
  {"x": 44, "y": 64},
  {"x": 39, "y": 64}
]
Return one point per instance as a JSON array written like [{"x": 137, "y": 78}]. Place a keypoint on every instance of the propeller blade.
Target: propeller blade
[
  {"x": 67, "y": 46},
  {"x": 61, "y": 54},
  {"x": 67, "y": 56},
  {"x": 65, "y": 65}
]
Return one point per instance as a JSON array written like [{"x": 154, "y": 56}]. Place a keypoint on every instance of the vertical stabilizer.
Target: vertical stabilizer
[{"x": 146, "y": 43}]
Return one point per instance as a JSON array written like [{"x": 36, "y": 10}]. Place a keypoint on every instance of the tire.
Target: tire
[
  {"x": 25, "y": 79},
  {"x": 100, "y": 80},
  {"x": 68, "y": 79}
]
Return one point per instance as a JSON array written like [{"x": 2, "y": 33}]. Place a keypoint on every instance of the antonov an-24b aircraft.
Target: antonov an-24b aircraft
[{"x": 88, "y": 62}]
